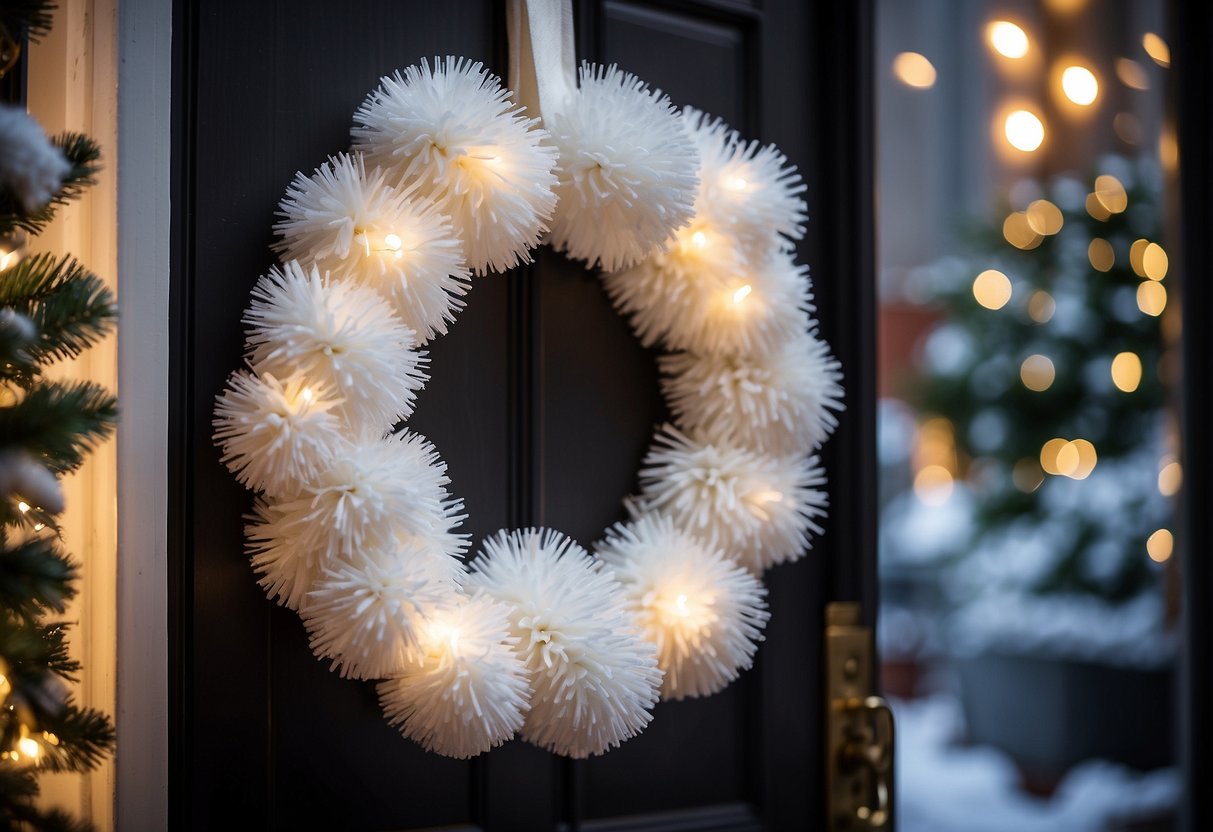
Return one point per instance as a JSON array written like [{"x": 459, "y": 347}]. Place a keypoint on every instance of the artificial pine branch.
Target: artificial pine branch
[
  {"x": 69, "y": 305},
  {"x": 36, "y": 577},
  {"x": 84, "y": 155},
  {"x": 17, "y": 810},
  {"x": 84, "y": 736},
  {"x": 31, "y": 18},
  {"x": 60, "y": 422}
]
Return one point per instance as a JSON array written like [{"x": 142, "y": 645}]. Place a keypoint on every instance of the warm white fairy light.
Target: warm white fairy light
[
  {"x": 746, "y": 187},
  {"x": 367, "y": 615},
  {"x": 453, "y": 135},
  {"x": 468, "y": 691},
  {"x": 779, "y": 402},
  {"x": 627, "y": 174},
  {"x": 762, "y": 510},
  {"x": 275, "y": 435},
  {"x": 703, "y": 612},
  {"x": 339, "y": 335},
  {"x": 595, "y": 680}
]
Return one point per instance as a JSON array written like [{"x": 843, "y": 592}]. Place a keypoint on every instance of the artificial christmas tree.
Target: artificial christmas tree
[{"x": 51, "y": 309}]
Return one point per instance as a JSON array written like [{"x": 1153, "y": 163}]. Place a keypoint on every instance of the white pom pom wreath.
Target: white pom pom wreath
[
  {"x": 732, "y": 309},
  {"x": 274, "y": 436},
  {"x": 338, "y": 335},
  {"x": 595, "y": 679},
  {"x": 285, "y": 568},
  {"x": 760, "y": 509},
  {"x": 378, "y": 492},
  {"x": 468, "y": 692},
  {"x": 704, "y": 613},
  {"x": 778, "y": 402},
  {"x": 627, "y": 170},
  {"x": 745, "y": 187},
  {"x": 354, "y": 225},
  {"x": 452, "y": 134},
  {"x": 367, "y": 614}
]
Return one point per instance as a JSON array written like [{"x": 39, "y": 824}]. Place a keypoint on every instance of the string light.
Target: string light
[
  {"x": 1041, "y": 306},
  {"x": 1079, "y": 85},
  {"x": 1170, "y": 477},
  {"x": 737, "y": 183},
  {"x": 1156, "y": 48},
  {"x": 1151, "y": 298},
  {"x": 1154, "y": 262},
  {"x": 1131, "y": 74},
  {"x": 1018, "y": 231},
  {"x": 1111, "y": 193},
  {"x": 1160, "y": 545},
  {"x": 1044, "y": 217},
  {"x": 742, "y": 293},
  {"x": 1101, "y": 255},
  {"x": 1126, "y": 371},
  {"x": 1037, "y": 373},
  {"x": 1007, "y": 39},
  {"x": 23, "y": 506},
  {"x": 1137, "y": 253},
  {"x": 699, "y": 239},
  {"x": 914, "y": 70},
  {"x": 1024, "y": 130},
  {"x": 992, "y": 289}
]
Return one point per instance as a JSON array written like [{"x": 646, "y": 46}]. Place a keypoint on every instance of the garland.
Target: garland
[{"x": 354, "y": 526}]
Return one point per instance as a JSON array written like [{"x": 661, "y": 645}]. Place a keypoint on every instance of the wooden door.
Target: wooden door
[{"x": 541, "y": 402}]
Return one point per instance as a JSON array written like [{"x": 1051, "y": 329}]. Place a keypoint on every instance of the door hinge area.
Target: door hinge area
[{"x": 859, "y": 729}]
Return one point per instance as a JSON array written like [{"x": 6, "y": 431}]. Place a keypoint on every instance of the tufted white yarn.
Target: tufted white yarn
[
  {"x": 353, "y": 224},
  {"x": 595, "y": 679},
  {"x": 704, "y": 613},
  {"x": 285, "y": 568},
  {"x": 376, "y": 493},
  {"x": 731, "y": 309},
  {"x": 627, "y": 170},
  {"x": 338, "y": 335},
  {"x": 780, "y": 402},
  {"x": 276, "y": 435},
  {"x": 750, "y": 189},
  {"x": 468, "y": 692},
  {"x": 367, "y": 613},
  {"x": 760, "y": 509},
  {"x": 451, "y": 133}
]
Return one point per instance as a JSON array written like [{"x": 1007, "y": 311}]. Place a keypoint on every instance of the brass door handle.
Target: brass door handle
[
  {"x": 869, "y": 744},
  {"x": 859, "y": 730}
]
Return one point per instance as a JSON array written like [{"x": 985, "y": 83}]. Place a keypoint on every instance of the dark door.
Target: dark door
[{"x": 540, "y": 400}]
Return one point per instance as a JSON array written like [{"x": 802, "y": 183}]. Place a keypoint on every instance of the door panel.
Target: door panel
[{"x": 541, "y": 401}]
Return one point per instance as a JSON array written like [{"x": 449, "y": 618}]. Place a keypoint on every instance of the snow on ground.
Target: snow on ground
[{"x": 944, "y": 787}]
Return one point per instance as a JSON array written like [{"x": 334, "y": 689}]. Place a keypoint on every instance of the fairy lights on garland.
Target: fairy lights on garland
[{"x": 356, "y": 527}]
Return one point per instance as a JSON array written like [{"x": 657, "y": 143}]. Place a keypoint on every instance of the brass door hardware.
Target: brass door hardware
[{"x": 859, "y": 729}]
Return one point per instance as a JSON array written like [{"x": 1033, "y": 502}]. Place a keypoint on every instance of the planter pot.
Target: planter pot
[{"x": 1048, "y": 714}]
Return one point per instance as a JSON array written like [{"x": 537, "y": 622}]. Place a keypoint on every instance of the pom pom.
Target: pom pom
[
  {"x": 468, "y": 692},
  {"x": 31, "y": 166},
  {"x": 627, "y": 170},
  {"x": 749, "y": 189},
  {"x": 728, "y": 309},
  {"x": 376, "y": 493},
  {"x": 353, "y": 225},
  {"x": 595, "y": 679},
  {"x": 337, "y": 335},
  {"x": 704, "y": 613},
  {"x": 367, "y": 614},
  {"x": 760, "y": 509},
  {"x": 275, "y": 436},
  {"x": 453, "y": 135},
  {"x": 285, "y": 568},
  {"x": 777, "y": 403},
  {"x": 24, "y": 476}
]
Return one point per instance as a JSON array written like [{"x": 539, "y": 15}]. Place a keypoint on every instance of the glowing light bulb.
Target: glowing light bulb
[
  {"x": 992, "y": 289},
  {"x": 680, "y": 606},
  {"x": 1007, "y": 39},
  {"x": 914, "y": 70},
  {"x": 769, "y": 496},
  {"x": 29, "y": 747},
  {"x": 307, "y": 394},
  {"x": 1160, "y": 545},
  {"x": 8, "y": 258},
  {"x": 737, "y": 183},
  {"x": 742, "y": 293},
  {"x": 39, "y": 527},
  {"x": 1170, "y": 478},
  {"x": 23, "y": 506},
  {"x": 1024, "y": 130},
  {"x": 392, "y": 241},
  {"x": 1079, "y": 85},
  {"x": 699, "y": 239},
  {"x": 1126, "y": 371}
]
